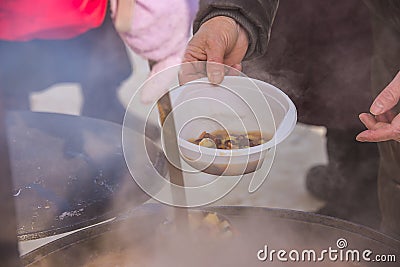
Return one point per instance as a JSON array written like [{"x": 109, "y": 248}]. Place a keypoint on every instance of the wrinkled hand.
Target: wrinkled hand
[
  {"x": 219, "y": 40},
  {"x": 160, "y": 31},
  {"x": 383, "y": 124}
]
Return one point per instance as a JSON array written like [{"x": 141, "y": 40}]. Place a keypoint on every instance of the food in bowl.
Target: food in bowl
[{"x": 221, "y": 139}]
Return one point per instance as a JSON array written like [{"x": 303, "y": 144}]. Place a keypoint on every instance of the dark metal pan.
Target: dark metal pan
[
  {"x": 69, "y": 172},
  {"x": 133, "y": 237}
]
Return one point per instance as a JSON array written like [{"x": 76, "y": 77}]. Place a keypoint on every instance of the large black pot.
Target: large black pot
[
  {"x": 69, "y": 172},
  {"x": 134, "y": 238}
]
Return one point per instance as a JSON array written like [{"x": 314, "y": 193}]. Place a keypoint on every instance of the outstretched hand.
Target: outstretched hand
[{"x": 383, "y": 124}]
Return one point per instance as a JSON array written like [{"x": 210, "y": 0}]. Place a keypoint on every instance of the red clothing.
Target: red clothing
[{"x": 23, "y": 20}]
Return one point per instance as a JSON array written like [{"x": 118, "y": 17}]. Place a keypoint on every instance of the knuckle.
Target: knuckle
[
  {"x": 187, "y": 58},
  {"x": 193, "y": 52},
  {"x": 211, "y": 44},
  {"x": 389, "y": 96},
  {"x": 396, "y": 131}
]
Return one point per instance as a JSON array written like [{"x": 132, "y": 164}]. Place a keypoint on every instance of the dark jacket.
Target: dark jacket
[
  {"x": 388, "y": 11},
  {"x": 319, "y": 54},
  {"x": 326, "y": 56},
  {"x": 385, "y": 65}
]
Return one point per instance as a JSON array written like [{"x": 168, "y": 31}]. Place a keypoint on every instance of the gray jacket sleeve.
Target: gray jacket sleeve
[{"x": 255, "y": 16}]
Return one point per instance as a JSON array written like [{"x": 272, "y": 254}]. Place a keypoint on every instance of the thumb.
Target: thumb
[
  {"x": 388, "y": 98},
  {"x": 215, "y": 67}
]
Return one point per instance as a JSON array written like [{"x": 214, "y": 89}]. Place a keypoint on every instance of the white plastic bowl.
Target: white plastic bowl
[{"x": 238, "y": 104}]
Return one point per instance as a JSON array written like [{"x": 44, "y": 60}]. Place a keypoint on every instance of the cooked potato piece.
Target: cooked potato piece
[{"x": 207, "y": 142}]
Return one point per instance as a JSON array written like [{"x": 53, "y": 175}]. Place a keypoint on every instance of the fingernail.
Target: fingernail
[
  {"x": 361, "y": 139},
  {"x": 376, "y": 108}
]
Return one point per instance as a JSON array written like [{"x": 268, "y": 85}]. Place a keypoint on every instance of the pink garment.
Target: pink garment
[
  {"x": 160, "y": 31},
  {"x": 24, "y": 20}
]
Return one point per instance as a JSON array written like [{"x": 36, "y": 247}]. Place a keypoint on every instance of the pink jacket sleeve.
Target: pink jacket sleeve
[{"x": 160, "y": 28}]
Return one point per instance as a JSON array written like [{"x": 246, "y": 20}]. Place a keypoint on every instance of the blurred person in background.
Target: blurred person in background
[
  {"x": 321, "y": 58},
  {"x": 321, "y": 53},
  {"x": 383, "y": 121},
  {"x": 46, "y": 42}
]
